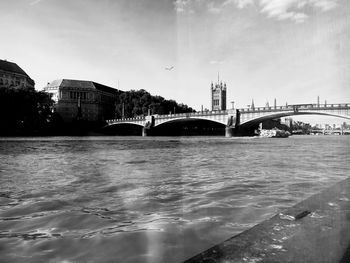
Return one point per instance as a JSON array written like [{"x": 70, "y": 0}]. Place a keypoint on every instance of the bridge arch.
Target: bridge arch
[
  {"x": 123, "y": 128},
  {"x": 189, "y": 127},
  {"x": 124, "y": 123},
  {"x": 221, "y": 121},
  {"x": 254, "y": 121}
]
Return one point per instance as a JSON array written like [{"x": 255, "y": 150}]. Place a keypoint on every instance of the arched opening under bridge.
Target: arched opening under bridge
[
  {"x": 123, "y": 129},
  {"x": 256, "y": 121},
  {"x": 248, "y": 128},
  {"x": 189, "y": 127}
]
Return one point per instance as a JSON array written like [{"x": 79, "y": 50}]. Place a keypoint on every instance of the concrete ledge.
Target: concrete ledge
[{"x": 314, "y": 230}]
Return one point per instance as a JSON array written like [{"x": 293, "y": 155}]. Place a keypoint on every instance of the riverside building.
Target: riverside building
[
  {"x": 82, "y": 100},
  {"x": 218, "y": 96},
  {"x": 12, "y": 76}
]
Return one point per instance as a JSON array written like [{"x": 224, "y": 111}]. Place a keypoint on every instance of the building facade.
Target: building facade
[
  {"x": 82, "y": 100},
  {"x": 11, "y": 75},
  {"x": 218, "y": 96}
]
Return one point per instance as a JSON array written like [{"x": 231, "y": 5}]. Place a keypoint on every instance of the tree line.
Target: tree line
[
  {"x": 29, "y": 112},
  {"x": 139, "y": 102}
]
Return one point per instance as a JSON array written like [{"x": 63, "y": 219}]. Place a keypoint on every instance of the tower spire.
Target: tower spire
[{"x": 218, "y": 96}]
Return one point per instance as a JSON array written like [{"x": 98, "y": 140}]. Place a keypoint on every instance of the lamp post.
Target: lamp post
[
  {"x": 123, "y": 110},
  {"x": 79, "y": 108}
]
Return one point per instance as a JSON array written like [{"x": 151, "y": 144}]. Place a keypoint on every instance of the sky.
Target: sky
[{"x": 291, "y": 50}]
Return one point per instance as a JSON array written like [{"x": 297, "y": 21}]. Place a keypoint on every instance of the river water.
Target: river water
[{"x": 134, "y": 199}]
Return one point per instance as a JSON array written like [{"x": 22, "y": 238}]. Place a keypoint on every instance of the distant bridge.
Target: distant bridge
[
  {"x": 237, "y": 118},
  {"x": 331, "y": 131}
]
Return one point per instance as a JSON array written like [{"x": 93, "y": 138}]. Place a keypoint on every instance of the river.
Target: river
[{"x": 152, "y": 199}]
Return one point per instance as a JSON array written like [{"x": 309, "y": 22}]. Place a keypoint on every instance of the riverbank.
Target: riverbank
[
  {"x": 314, "y": 230},
  {"x": 76, "y": 128}
]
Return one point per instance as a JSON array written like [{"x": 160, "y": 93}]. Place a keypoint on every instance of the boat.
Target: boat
[{"x": 273, "y": 133}]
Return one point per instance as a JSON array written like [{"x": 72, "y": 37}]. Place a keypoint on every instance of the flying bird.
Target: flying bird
[{"x": 169, "y": 68}]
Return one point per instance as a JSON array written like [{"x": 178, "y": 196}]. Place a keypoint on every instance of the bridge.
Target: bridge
[
  {"x": 331, "y": 131},
  {"x": 236, "y": 119}
]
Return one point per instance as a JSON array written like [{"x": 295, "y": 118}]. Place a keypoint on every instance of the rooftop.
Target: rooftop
[
  {"x": 11, "y": 67},
  {"x": 72, "y": 83}
]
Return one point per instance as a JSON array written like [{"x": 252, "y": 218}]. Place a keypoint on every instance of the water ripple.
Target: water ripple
[
  {"x": 38, "y": 234},
  {"x": 74, "y": 198}
]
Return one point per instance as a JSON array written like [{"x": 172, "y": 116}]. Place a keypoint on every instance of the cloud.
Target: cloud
[
  {"x": 239, "y": 3},
  {"x": 293, "y": 9},
  {"x": 285, "y": 9},
  {"x": 190, "y": 6},
  {"x": 180, "y": 5},
  {"x": 212, "y": 6},
  {"x": 35, "y": 2},
  {"x": 215, "y": 62},
  {"x": 213, "y": 9},
  {"x": 325, "y": 5}
]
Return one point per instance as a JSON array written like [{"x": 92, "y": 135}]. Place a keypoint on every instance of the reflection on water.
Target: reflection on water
[{"x": 132, "y": 199}]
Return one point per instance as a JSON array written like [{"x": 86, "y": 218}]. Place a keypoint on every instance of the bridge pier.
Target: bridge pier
[
  {"x": 228, "y": 132},
  {"x": 145, "y": 131},
  {"x": 149, "y": 123}
]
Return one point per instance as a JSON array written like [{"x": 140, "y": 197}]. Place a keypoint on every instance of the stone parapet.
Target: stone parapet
[{"x": 313, "y": 231}]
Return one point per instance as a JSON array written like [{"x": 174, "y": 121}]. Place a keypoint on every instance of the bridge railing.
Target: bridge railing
[
  {"x": 138, "y": 118},
  {"x": 294, "y": 106},
  {"x": 191, "y": 114},
  {"x": 167, "y": 116}
]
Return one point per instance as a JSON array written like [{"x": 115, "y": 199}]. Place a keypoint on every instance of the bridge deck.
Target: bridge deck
[{"x": 241, "y": 117}]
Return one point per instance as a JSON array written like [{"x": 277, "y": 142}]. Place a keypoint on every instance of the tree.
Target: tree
[
  {"x": 138, "y": 103},
  {"x": 24, "y": 111}
]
